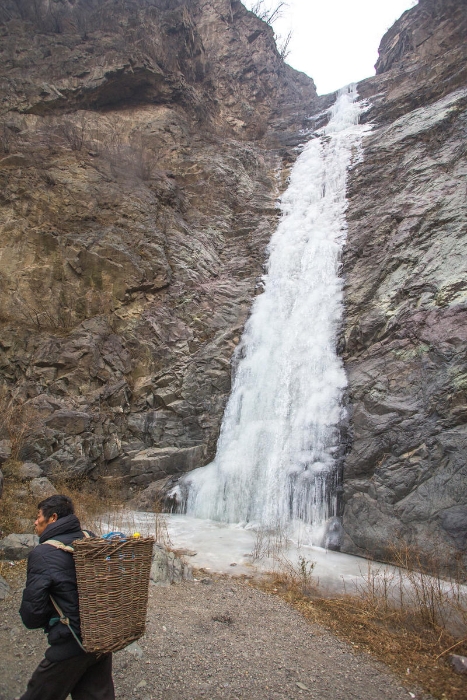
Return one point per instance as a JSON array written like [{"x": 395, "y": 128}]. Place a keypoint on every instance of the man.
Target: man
[{"x": 66, "y": 668}]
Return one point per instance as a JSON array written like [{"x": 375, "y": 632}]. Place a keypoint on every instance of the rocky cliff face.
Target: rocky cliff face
[
  {"x": 144, "y": 144},
  {"x": 406, "y": 294}
]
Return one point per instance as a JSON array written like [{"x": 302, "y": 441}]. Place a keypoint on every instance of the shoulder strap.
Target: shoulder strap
[
  {"x": 66, "y": 547},
  {"x": 59, "y": 545}
]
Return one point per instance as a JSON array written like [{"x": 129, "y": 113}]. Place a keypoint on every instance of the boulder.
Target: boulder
[
  {"x": 167, "y": 568},
  {"x": 153, "y": 496},
  {"x": 154, "y": 463},
  {"x": 28, "y": 471},
  {"x": 459, "y": 663},
  {"x": 4, "y": 588},
  {"x": 65, "y": 465},
  {"x": 42, "y": 488},
  {"x": 454, "y": 523},
  {"x": 15, "y": 547},
  {"x": 69, "y": 422}
]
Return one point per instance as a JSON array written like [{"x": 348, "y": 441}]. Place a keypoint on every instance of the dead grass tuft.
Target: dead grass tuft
[{"x": 18, "y": 508}]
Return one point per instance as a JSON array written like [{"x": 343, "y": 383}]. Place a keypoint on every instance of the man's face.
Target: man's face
[{"x": 42, "y": 522}]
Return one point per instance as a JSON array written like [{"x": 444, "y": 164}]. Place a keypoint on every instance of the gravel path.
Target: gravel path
[{"x": 221, "y": 639}]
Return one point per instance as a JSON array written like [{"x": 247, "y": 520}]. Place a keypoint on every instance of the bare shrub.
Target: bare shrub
[
  {"x": 61, "y": 319},
  {"x": 266, "y": 13},
  {"x": 269, "y": 543},
  {"x": 283, "y": 45},
  {"x": 101, "y": 515},
  {"x": 75, "y": 132},
  {"x": 272, "y": 544},
  {"x": 295, "y": 577},
  {"x": 17, "y": 420}
]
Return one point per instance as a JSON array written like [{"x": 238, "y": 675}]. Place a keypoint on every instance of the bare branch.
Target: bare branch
[
  {"x": 268, "y": 14},
  {"x": 283, "y": 46}
]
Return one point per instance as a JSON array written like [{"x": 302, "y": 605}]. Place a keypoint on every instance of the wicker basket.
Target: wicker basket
[{"x": 113, "y": 582}]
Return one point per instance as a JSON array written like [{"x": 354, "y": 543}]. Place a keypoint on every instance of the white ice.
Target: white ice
[
  {"x": 219, "y": 546},
  {"x": 276, "y": 460}
]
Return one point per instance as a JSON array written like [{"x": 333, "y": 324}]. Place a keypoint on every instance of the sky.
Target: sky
[{"x": 335, "y": 41}]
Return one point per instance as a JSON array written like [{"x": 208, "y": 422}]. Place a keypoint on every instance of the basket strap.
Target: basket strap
[
  {"x": 65, "y": 621},
  {"x": 66, "y": 547},
  {"x": 59, "y": 545}
]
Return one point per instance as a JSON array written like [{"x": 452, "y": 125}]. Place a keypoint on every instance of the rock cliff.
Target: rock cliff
[
  {"x": 144, "y": 145},
  {"x": 406, "y": 294}
]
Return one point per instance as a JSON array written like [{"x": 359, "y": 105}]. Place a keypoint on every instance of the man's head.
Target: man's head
[{"x": 52, "y": 509}]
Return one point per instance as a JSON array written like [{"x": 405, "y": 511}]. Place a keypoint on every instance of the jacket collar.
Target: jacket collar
[{"x": 62, "y": 526}]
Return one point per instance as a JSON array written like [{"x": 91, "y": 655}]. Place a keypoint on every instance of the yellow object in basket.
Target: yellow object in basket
[{"x": 136, "y": 535}]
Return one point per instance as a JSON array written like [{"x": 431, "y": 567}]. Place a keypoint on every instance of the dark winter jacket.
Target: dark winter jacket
[{"x": 51, "y": 571}]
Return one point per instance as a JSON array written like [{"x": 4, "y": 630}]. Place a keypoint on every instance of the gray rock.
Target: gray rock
[
  {"x": 20, "y": 493},
  {"x": 454, "y": 522},
  {"x": 15, "y": 547},
  {"x": 152, "y": 497},
  {"x": 42, "y": 488},
  {"x": 89, "y": 370},
  {"x": 66, "y": 464},
  {"x": 4, "y": 588},
  {"x": 160, "y": 567},
  {"x": 69, "y": 422},
  {"x": 459, "y": 663},
  {"x": 167, "y": 568},
  {"x": 154, "y": 463},
  {"x": 1, "y": 483},
  {"x": 112, "y": 447},
  {"x": 29, "y": 470},
  {"x": 405, "y": 333}
]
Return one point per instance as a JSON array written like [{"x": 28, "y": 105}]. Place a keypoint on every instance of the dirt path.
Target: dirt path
[{"x": 217, "y": 640}]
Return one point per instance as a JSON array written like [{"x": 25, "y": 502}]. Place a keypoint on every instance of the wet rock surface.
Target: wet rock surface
[
  {"x": 225, "y": 640},
  {"x": 405, "y": 296}
]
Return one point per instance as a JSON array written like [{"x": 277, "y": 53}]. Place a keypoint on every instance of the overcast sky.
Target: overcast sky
[{"x": 336, "y": 41}]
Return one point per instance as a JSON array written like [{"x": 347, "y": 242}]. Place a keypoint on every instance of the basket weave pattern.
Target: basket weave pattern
[{"x": 113, "y": 582}]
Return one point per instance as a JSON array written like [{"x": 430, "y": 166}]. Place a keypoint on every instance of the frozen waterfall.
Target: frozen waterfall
[{"x": 276, "y": 461}]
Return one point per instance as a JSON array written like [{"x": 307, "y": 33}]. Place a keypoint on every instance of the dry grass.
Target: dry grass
[
  {"x": 17, "y": 420},
  {"x": 413, "y": 633},
  {"x": 17, "y": 514},
  {"x": 97, "y": 507},
  {"x": 19, "y": 508}
]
